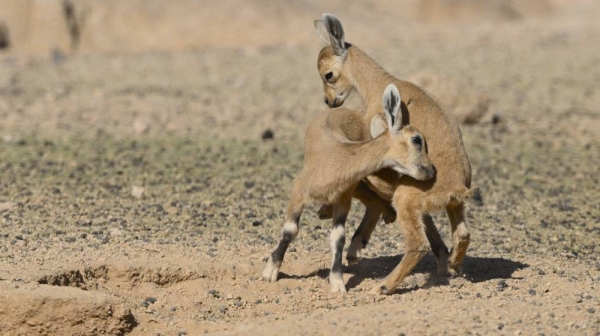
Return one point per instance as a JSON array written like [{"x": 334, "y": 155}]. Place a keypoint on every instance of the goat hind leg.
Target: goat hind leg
[
  {"x": 374, "y": 205},
  {"x": 337, "y": 239},
  {"x": 460, "y": 236},
  {"x": 415, "y": 241},
  {"x": 361, "y": 237},
  {"x": 439, "y": 249}
]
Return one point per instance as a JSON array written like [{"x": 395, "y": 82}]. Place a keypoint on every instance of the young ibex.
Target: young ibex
[
  {"x": 334, "y": 165},
  {"x": 343, "y": 68}
]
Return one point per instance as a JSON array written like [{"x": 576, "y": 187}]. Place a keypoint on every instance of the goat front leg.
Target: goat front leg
[
  {"x": 416, "y": 247},
  {"x": 336, "y": 240},
  {"x": 460, "y": 236},
  {"x": 288, "y": 233}
]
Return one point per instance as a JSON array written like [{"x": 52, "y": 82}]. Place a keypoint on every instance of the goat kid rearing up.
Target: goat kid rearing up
[
  {"x": 343, "y": 68},
  {"x": 334, "y": 164}
]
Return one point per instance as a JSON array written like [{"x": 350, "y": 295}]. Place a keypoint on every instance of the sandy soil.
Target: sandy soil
[{"x": 137, "y": 196}]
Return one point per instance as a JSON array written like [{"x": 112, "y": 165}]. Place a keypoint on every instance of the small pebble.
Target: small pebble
[
  {"x": 501, "y": 286},
  {"x": 267, "y": 134},
  {"x": 591, "y": 310}
]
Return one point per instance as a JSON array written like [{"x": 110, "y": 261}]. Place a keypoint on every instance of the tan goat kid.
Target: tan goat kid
[
  {"x": 334, "y": 165},
  {"x": 344, "y": 68}
]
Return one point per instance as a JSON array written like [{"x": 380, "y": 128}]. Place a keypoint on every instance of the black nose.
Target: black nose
[
  {"x": 326, "y": 100},
  {"x": 433, "y": 171}
]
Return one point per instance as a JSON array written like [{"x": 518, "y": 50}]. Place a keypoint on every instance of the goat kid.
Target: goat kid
[
  {"x": 334, "y": 165},
  {"x": 343, "y": 68}
]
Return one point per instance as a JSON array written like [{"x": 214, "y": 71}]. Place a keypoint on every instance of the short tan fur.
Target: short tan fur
[
  {"x": 334, "y": 165},
  {"x": 344, "y": 68}
]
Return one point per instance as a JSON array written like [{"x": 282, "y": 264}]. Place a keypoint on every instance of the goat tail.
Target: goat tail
[{"x": 472, "y": 196}]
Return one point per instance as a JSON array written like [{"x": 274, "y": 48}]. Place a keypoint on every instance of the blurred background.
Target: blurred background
[{"x": 94, "y": 60}]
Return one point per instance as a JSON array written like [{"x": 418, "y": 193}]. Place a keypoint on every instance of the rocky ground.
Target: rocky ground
[{"x": 139, "y": 192}]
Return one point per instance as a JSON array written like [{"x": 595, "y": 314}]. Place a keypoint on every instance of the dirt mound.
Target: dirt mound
[
  {"x": 48, "y": 310},
  {"x": 132, "y": 276},
  {"x": 88, "y": 301}
]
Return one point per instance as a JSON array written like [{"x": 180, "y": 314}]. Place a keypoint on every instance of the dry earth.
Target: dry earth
[{"x": 137, "y": 196}]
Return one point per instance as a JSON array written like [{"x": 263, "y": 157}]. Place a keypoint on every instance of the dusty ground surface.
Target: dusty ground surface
[{"x": 137, "y": 197}]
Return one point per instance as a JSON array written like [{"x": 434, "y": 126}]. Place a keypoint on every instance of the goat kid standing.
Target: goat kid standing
[
  {"x": 344, "y": 68},
  {"x": 334, "y": 165}
]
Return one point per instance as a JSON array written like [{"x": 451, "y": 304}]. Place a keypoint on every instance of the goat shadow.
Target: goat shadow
[{"x": 475, "y": 269}]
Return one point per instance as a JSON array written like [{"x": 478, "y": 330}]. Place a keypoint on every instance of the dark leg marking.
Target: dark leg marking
[{"x": 286, "y": 239}]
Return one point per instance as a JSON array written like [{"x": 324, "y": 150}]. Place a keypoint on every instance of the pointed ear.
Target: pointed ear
[
  {"x": 336, "y": 34},
  {"x": 391, "y": 105},
  {"x": 322, "y": 31},
  {"x": 378, "y": 126}
]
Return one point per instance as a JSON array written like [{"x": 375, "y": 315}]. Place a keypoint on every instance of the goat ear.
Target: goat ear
[
  {"x": 322, "y": 31},
  {"x": 336, "y": 34},
  {"x": 378, "y": 126},
  {"x": 391, "y": 105}
]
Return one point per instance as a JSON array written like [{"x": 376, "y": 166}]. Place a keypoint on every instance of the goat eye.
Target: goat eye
[
  {"x": 417, "y": 140},
  {"x": 328, "y": 75}
]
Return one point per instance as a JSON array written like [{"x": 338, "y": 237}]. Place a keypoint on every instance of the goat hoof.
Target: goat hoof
[
  {"x": 457, "y": 269},
  {"x": 351, "y": 260},
  {"x": 337, "y": 286},
  {"x": 380, "y": 289},
  {"x": 443, "y": 272},
  {"x": 270, "y": 272}
]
